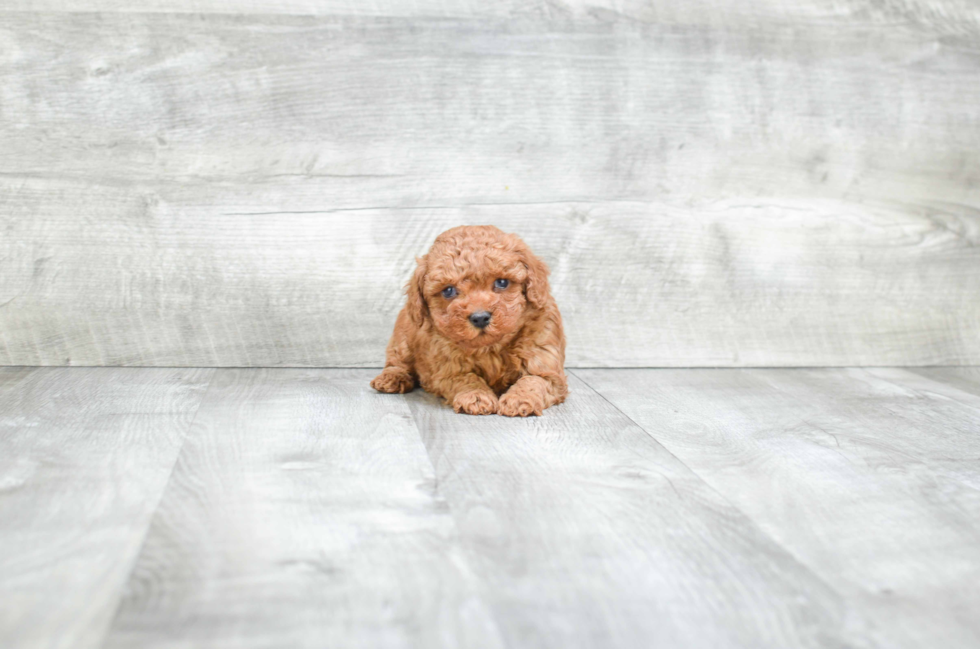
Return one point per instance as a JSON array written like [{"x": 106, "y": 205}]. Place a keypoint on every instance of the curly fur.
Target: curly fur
[{"x": 515, "y": 366}]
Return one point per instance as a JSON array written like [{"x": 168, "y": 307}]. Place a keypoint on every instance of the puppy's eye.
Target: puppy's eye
[
  {"x": 501, "y": 284},
  {"x": 449, "y": 292}
]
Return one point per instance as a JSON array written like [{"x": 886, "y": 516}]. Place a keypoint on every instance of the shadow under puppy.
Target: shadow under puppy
[{"x": 479, "y": 328}]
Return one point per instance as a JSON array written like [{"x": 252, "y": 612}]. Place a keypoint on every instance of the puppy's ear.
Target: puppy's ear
[
  {"x": 417, "y": 308},
  {"x": 536, "y": 284}
]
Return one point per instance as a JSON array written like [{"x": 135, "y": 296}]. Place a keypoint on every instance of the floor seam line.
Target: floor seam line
[
  {"x": 755, "y": 524},
  {"x": 156, "y": 508},
  {"x": 957, "y": 400},
  {"x": 464, "y": 547}
]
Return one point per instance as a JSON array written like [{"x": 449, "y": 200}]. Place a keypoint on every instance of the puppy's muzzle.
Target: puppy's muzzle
[{"x": 480, "y": 319}]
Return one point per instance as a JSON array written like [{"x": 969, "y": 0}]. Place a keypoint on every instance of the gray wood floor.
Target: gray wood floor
[{"x": 295, "y": 507}]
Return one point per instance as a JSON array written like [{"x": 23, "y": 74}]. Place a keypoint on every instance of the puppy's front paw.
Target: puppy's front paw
[
  {"x": 475, "y": 402},
  {"x": 393, "y": 381},
  {"x": 519, "y": 404}
]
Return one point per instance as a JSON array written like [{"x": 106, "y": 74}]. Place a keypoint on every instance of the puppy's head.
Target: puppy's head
[{"x": 477, "y": 285}]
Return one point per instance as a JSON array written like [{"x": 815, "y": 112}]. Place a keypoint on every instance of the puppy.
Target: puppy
[{"x": 480, "y": 328}]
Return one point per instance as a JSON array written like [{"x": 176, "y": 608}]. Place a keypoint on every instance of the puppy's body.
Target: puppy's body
[{"x": 480, "y": 327}]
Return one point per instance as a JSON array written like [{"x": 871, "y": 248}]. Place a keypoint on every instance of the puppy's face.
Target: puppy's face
[{"x": 476, "y": 284}]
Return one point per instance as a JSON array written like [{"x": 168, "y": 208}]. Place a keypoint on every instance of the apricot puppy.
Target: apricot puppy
[{"x": 479, "y": 328}]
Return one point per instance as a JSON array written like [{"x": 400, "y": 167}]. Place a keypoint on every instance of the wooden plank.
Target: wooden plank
[
  {"x": 943, "y": 16},
  {"x": 302, "y": 512},
  {"x": 966, "y": 379},
  {"x": 864, "y": 476},
  {"x": 84, "y": 457},
  {"x": 226, "y": 190},
  {"x": 409, "y": 111},
  {"x": 588, "y": 533},
  {"x": 187, "y": 279},
  {"x": 378, "y": 8}
]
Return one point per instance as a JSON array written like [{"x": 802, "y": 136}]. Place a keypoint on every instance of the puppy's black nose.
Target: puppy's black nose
[{"x": 480, "y": 319}]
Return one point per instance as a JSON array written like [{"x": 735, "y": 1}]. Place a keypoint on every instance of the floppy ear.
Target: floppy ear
[
  {"x": 418, "y": 310},
  {"x": 536, "y": 284}
]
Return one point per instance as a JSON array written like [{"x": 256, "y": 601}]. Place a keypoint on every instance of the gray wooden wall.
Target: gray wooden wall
[{"x": 208, "y": 182}]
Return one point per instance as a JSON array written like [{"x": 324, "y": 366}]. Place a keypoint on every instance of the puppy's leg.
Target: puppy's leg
[
  {"x": 544, "y": 384},
  {"x": 398, "y": 375},
  {"x": 466, "y": 393},
  {"x": 473, "y": 396},
  {"x": 531, "y": 394}
]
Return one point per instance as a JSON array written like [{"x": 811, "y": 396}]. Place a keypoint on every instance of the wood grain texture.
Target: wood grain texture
[
  {"x": 302, "y": 513},
  {"x": 944, "y": 16},
  {"x": 754, "y": 508},
  {"x": 402, "y": 112},
  {"x": 200, "y": 283},
  {"x": 84, "y": 457},
  {"x": 869, "y": 477},
  {"x": 790, "y": 189},
  {"x": 588, "y": 533},
  {"x": 961, "y": 378}
]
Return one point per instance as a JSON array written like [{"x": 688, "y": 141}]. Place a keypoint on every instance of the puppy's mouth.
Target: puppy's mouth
[{"x": 482, "y": 338}]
